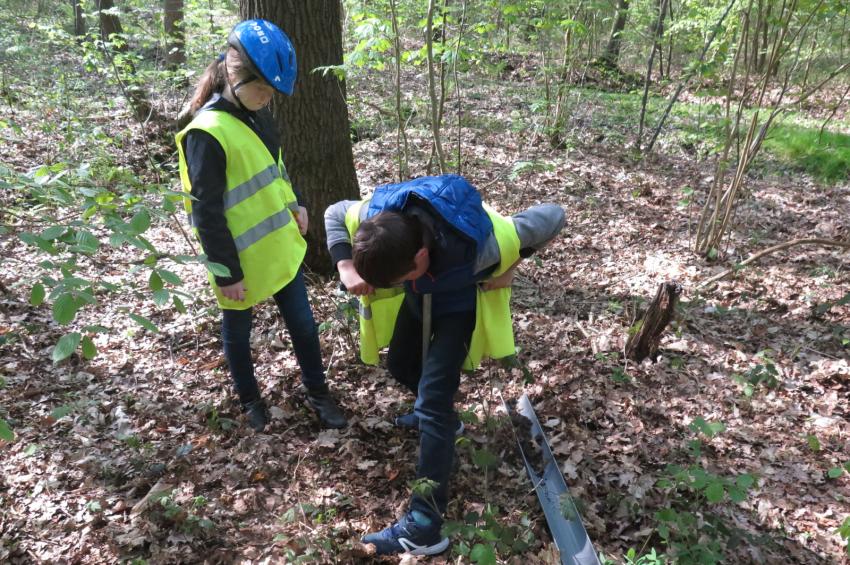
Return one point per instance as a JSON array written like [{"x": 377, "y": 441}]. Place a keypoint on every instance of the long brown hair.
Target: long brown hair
[{"x": 214, "y": 80}]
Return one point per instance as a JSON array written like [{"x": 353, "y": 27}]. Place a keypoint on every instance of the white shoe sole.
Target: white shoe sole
[{"x": 432, "y": 549}]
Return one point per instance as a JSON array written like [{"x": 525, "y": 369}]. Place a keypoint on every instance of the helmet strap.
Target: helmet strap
[
  {"x": 238, "y": 85},
  {"x": 241, "y": 83}
]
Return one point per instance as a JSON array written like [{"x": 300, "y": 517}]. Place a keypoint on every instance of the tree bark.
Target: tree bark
[
  {"x": 756, "y": 35},
  {"x": 611, "y": 55},
  {"x": 669, "y": 43},
  {"x": 656, "y": 46},
  {"x": 643, "y": 343},
  {"x": 314, "y": 120},
  {"x": 109, "y": 24},
  {"x": 458, "y": 98},
  {"x": 659, "y": 37},
  {"x": 79, "y": 20},
  {"x": 764, "y": 39},
  {"x": 432, "y": 90},
  {"x": 402, "y": 150},
  {"x": 175, "y": 37}
]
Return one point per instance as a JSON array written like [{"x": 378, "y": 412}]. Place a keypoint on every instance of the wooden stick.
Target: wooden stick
[
  {"x": 644, "y": 342},
  {"x": 772, "y": 249}
]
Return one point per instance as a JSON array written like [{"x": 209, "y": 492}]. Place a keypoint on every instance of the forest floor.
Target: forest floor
[{"x": 148, "y": 460}]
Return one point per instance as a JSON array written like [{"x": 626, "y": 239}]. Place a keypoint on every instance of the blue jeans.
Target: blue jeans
[
  {"x": 434, "y": 383},
  {"x": 236, "y": 335}
]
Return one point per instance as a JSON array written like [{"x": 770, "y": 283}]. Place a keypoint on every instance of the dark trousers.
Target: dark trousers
[
  {"x": 434, "y": 383},
  {"x": 236, "y": 335}
]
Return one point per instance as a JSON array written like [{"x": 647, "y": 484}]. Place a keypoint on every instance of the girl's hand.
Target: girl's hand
[
  {"x": 235, "y": 291},
  {"x": 302, "y": 219},
  {"x": 352, "y": 280}
]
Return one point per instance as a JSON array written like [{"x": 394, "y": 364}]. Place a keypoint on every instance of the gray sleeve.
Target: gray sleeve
[
  {"x": 489, "y": 255},
  {"x": 535, "y": 227},
  {"x": 335, "y": 222}
]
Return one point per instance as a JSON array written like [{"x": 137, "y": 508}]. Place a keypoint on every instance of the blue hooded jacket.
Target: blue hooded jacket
[{"x": 453, "y": 210}]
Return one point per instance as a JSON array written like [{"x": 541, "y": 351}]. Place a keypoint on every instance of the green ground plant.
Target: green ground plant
[
  {"x": 485, "y": 536},
  {"x": 691, "y": 524},
  {"x": 762, "y": 374},
  {"x": 825, "y": 155},
  {"x": 186, "y": 517},
  {"x": 69, "y": 210},
  {"x": 318, "y": 544},
  {"x": 490, "y": 534},
  {"x": 633, "y": 557},
  {"x": 844, "y": 532}
]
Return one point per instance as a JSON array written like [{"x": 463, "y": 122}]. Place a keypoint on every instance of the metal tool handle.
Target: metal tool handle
[{"x": 426, "y": 325}]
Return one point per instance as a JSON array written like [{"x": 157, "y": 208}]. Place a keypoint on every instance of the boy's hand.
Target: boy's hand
[
  {"x": 302, "y": 219},
  {"x": 352, "y": 280},
  {"x": 235, "y": 291},
  {"x": 502, "y": 281}
]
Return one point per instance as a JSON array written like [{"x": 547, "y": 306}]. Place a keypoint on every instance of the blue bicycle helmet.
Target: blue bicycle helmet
[{"x": 269, "y": 52}]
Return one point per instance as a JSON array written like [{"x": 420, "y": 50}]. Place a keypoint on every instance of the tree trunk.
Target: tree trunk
[
  {"x": 670, "y": 43},
  {"x": 402, "y": 149},
  {"x": 79, "y": 21},
  {"x": 764, "y": 40},
  {"x": 659, "y": 37},
  {"x": 314, "y": 120},
  {"x": 432, "y": 91},
  {"x": 644, "y": 341},
  {"x": 611, "y": 55},
  {"x": 175, "y": 37},
  {"x": 109, "y": 24},
  {"x": 656, "y": 45}
]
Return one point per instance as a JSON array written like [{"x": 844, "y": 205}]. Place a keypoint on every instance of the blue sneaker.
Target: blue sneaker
[
  {"x": 414, "y": 533},
  {"x": 411, "y": 422}
]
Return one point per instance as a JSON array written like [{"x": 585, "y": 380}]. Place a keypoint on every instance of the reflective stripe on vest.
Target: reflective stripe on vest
[
  {"x": 261, "y": 230},
  {"x": 253, "y": 185},
  {"x": 259, "y": 207},
  {"x": 493, "y": 335},
  {"x": 364, "y": 310}
]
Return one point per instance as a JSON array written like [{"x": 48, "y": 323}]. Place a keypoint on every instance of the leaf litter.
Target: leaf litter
[{"x": 142, "y": 451}]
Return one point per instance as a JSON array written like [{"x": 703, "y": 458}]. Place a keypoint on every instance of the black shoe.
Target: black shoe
[
  {"x": 326, "y": 409},
  {"x": 257, "y": 415}
]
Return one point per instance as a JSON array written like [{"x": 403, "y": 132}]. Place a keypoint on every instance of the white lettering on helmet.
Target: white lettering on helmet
[{"x": 260, "y": 33}]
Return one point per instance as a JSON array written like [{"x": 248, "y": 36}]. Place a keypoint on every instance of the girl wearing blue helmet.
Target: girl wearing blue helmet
[{"x": 242, "y": 207}]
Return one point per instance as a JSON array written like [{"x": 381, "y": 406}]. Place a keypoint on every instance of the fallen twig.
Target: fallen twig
[{"x": 772, "y": 249}]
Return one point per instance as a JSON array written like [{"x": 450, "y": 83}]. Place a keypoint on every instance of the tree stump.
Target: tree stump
[{"x": 643, "y": 342}]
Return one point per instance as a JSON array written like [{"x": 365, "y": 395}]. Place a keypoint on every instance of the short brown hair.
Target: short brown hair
[{"x": 385, "y": 246}]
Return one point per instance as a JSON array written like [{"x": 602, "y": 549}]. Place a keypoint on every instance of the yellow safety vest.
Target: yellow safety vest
[
  {"x": 259, "y": 206},
  {"x": 493, "y": 336}
]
